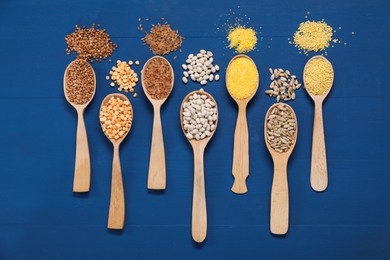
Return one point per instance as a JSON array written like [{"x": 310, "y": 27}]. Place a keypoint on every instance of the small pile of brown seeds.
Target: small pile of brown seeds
[
  {"x": 157, "y": 78},
  {"x": 123, "y": 76},
  {"x": 162, "y": 39},
  {"x": 90, "y": 43},
  {"x": 283, "y": 85},
  {"x": 80, "y": 82},
  {"x": 281, "y": 128},
  {"x": 116, "y": 117}
]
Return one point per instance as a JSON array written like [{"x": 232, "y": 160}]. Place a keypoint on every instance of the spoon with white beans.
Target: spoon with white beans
[{"x": 199, "y": 119}]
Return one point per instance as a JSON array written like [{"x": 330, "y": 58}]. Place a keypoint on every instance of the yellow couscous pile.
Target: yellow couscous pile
[
  {"x": 313, "y": 36},
  {"x": 242, "y": 39}
]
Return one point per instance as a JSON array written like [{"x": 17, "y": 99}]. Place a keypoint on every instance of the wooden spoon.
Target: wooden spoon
[
  {"x": 279, "y": 192},
  {"x": 240, "y": 169},
  {"x": 319, "y": 170},
  {"x": 199, "y": 211},
  {"x": 116, "y": 215},
  {"x": 82, "y": 170},
  {"x": 157, "y": 169}
]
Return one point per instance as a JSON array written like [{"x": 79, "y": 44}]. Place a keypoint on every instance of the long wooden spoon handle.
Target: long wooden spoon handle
[
  {"x": 319, "y": 170},
  {"x": 157, "y": 171},
  {"x": 199, "y": 211},
  {"x": 116, "y": 215},
  {"x": 279, "y": 199},
  {"x": 240, "y": 167},
  {"x": 82, "y": 171}
]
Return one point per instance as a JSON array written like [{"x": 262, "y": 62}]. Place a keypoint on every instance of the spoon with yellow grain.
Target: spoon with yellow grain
[
  {"x": 280, "y": 133},
  {"x": 192, "y": 109},
  {"x": 157, "y": 82},
  {"x": 318, "y": 76},
  {"x": 116, "y": 119},
  {"x": 79, "y": 89},
  {"x": 242, "y": 81}
]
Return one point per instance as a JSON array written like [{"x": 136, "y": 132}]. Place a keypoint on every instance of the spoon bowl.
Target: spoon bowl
[
  {"x": 82, "y": 171},
  {"x": 186, "y": 98},
  {"x": 157, "y": 168},
  {"x": 104, "y": 102},
  {"x": 116, "y": 215},
  {"x": 240, "y": 168},
  {"x": 319, "y": 169},
  {"x": 237, "y": 100},
  {"x": 313, "y": 96},
  {"x": 199, "y": 210},
  {"x": 279, "y": 193}
]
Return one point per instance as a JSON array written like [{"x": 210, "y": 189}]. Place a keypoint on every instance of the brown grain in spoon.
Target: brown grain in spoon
[
  {"x": 79, "y": 89},
  {"x": 157, "y": 82}
]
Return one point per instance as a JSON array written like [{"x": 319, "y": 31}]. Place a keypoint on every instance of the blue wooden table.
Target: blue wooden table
[{"x": 40, "y": 217}]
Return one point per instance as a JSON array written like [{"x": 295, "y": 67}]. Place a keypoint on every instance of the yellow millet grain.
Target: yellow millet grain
[
  {"x": 313, "y": 36},
  {"x": 242, "y": 39},
  {"x": 242, "y": 78},
  {"x": 318, "y": 76}
]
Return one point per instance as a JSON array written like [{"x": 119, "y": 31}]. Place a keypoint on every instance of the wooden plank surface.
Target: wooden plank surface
[{"x": 42, "y": 218}]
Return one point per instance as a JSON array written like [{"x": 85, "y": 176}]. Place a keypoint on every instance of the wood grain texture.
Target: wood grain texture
[
  {"x": 42, "y": 218},
  {"x": 279, "y": 198},
  {"x": 116, "y": 214},
  {"x": 82, "y": 171},
  {"x": 199, "y": 210},
  {"x": 279, "y": 213},
  {"x": 240, "y": 168},
  {"x": 157, "y": 167},
  {"x": 318, "y": 168}
]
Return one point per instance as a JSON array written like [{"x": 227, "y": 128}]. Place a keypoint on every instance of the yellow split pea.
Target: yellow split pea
[
  {"x": 318, "y": 76},
  {"x": 242, "y": 78}
]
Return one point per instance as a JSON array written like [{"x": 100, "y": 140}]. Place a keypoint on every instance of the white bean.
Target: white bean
[{"x": 198, "y": 116}]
